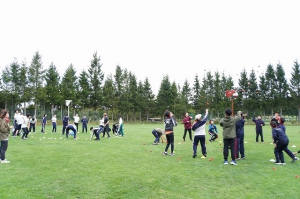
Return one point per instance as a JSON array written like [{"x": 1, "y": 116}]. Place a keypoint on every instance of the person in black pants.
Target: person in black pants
[
  {"x": 84, "y": 122},
  {"x": 106, "y": 125},
  {"x": 32, "y": 124},
  {"x": 71, "y": 127},
  {"x": 96, "y": 132},
  {"x": 281, "y": 141},
  {"x": 259, "y": 124},
  {"x": 66, "y": 120}
]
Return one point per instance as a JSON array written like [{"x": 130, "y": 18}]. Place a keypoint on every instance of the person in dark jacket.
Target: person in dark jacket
[
  {"x": 239, "y": 141},
  {"x": 84, "y": 122},
  {"x": 229, "y": 134},
  {"x": 73, "y": 128},
  {"x": 281, "y": 142},
  {"x": 169, "y": 124},
  {"x": 66, "y": 120},
  {"x": 44, "y": 122},
  {"x": 187, "y": 126},
  {"x": 259, "y": 132}
]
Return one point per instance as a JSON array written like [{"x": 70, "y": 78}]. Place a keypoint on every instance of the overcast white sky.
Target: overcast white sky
[{"x": 153, "y": 38}]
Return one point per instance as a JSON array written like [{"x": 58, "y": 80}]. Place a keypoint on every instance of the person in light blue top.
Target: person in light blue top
[{"x": 213, "y": 131}]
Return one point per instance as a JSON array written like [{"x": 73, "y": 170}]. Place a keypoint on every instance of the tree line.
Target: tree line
[{"x": 122, "y": 93}]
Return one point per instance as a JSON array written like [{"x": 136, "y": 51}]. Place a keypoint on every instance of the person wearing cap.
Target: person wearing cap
[
  {"x": 281, "y": 142},
  {"x": 259, "y": 131},
  {"x": 187, "y": 121},
  {"x": 199, "y": 134},
  {"x": 229, "y": 134}
]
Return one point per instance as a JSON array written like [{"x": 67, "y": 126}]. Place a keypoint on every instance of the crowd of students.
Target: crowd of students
[{"x": 233, "y": 135}]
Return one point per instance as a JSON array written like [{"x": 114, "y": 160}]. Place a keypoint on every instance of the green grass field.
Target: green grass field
[{"x": 49, "y": 166}]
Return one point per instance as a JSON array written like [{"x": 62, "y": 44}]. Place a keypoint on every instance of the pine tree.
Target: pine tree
[
  {"x": 96, "y": 77},
  {"x": 281, "y": 88},
  {"x": 164, "y": 95},
  {"x": 108, "y": 93},
  {"x": 270, "y": 83},
  {"x": 69, "y": 86},
  {"x": 186, "y": 95},
  {"x": 196, "y": 93},
  {"x": 295, "y": 86},
  {"x": 53, "y": 87},
  {"x": 84, "y": 89}
]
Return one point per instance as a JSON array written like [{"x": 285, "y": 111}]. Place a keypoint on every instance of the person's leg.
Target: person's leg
[
  {"x": 202, "y": 143},
  {"x": 76, "y": 124},
  {"x": 67, "y": 132},
  {"x": 257, "y": 134},
  {"x": 184, "y": 134},
  {"x": 33, "y": 128},
  {"x": 225, "y": 149},
  {"x": 64, "y": 129},
  {"x": 156, "y": 136},
  {"x": 168, "y": 142},
  {"x": 27, "y": 132},
  {"x": 236, "y": 148},
  {"x": 172, "y": 142},
  {"x": 190, "y": 134},
  {"x": 261, "y": 136},
  {"x": 55, "y": 127},
  {"x": 195, "y": 145},
  {"x": 242, "y": 148},
  {"x": 107, "y": 131},
  {"x": 75, "y": 131},
  {"x": 231, "y": 140},
  {"x": 104, "y": 130},
  {"x": 4, "y": 145},
  {"x": 30, "y": 126},
  {"x": 215, "y": 136},
  {"x": 24, "y": 133}
]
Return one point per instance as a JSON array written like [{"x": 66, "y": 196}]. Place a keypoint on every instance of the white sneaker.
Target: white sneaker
[{"x": 5, "y": 161}]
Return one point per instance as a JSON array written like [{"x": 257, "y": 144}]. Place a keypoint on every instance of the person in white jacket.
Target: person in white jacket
[{"x": 199, "y": 134}]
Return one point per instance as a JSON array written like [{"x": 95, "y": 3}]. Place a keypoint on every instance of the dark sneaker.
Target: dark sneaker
[
  {"x": 295, "y": 159},
  {"x": 194, "y": 156}
]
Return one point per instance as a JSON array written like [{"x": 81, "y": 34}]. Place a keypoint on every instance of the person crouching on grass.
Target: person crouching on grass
[
  {"x": 199, "y": 133},
  {"x": 96, "y": 131},
  {"x": 281, "y": 141},
  {"x": 229, "y": 134},
  {"x": 169, "y": 124},
  {"x": 158, "y": 134},
  {"x": 73, "y": 128},
  {"x": 213, "y": 131}
]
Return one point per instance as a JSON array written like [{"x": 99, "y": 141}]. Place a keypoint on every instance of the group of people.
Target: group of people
[{"x": 233, "y": 135}]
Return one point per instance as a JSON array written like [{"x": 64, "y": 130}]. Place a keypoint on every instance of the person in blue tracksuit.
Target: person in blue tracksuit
[
  {"x": 44, "y": 121},
  {"x": 259, "y": 124},
  {"x": 96, "y": 131},
  {"x": 199, "y": 134},
  {"x": 66, "y": 120},
  {"x": 71, "y": 127},
  {"x": 281, "y": 141},
  {"x": 84, "y": 122},
  {"x": 213, "y": 131},
  {"x": 239, "y": 140}
]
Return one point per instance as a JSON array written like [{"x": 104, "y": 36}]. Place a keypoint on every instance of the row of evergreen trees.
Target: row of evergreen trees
[{"x": 122, "y": 93}]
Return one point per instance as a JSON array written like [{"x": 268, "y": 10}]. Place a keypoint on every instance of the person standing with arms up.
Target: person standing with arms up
[
  {"x": 259, "y": 131},
  {"x": 199, "y": 134},
  {"x": 169, "y": 124},
  {"x": 229, "y": 134}
]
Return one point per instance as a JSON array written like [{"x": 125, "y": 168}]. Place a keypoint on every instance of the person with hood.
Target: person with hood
[
  {"x": 229, "y": 134},
  {"x": 199, "y": 133},
  {"x": 239, "y": 141},
  {"x": 259, "y": 124}
]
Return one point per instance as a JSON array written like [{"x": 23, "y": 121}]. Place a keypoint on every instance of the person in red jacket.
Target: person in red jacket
[{"x": 187, "y": 126}]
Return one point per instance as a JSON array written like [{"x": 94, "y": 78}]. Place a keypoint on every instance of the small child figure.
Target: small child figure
[{"x": 213, "y": 131}]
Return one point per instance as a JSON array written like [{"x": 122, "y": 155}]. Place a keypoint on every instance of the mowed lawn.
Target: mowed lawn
[{"x": 49, "y": 166}]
